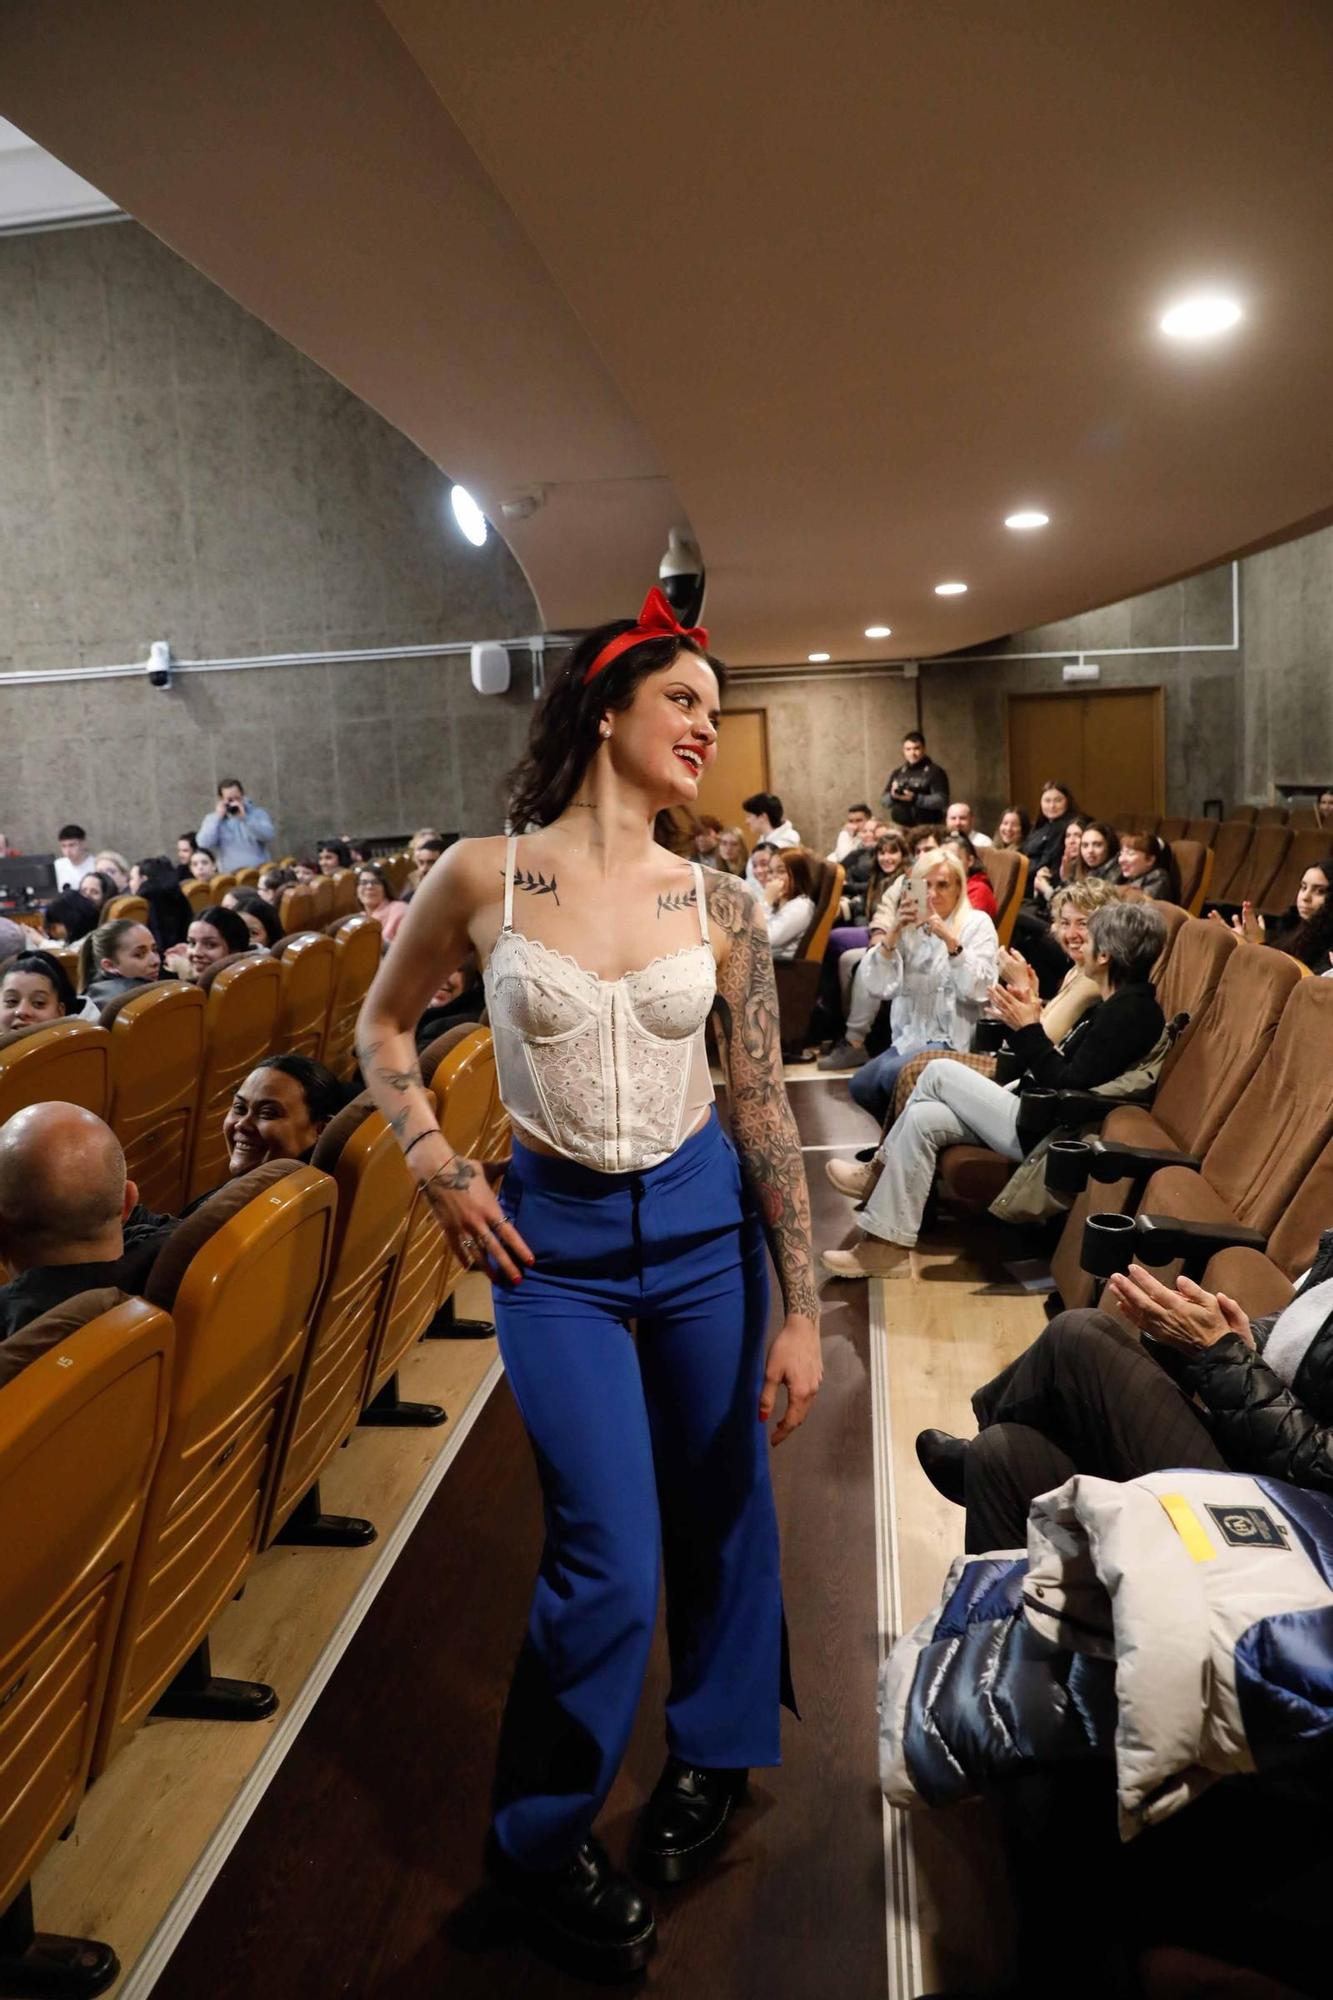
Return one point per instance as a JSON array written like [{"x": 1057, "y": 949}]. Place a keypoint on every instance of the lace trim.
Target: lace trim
[{"x": 663, "y": 958}]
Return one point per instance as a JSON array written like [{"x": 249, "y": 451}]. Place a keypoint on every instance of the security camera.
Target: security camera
[
  {"x": 158, "y": 668},
  {"x": 681, "y": 575}
]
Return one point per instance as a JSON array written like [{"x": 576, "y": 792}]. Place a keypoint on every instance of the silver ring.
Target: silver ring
[{"x": 467, "y": 1244}]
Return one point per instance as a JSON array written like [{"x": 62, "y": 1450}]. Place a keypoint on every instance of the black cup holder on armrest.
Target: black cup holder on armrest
[
  {"x": 988, "y": 1039},
  {"x": 1068, "y": 1163},
  {"x": 1109, "y": 1244}
]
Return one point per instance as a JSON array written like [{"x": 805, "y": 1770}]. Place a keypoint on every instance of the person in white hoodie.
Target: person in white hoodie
[
  {"x": 766, "y": 821},
  {"x": 935, "y": 963}
]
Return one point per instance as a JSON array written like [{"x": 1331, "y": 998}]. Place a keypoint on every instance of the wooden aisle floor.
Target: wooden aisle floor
[{"x": 356, "y": 1872}]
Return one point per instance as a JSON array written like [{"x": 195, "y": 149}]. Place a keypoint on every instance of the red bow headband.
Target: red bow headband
[{"x": 656, "y": 621}]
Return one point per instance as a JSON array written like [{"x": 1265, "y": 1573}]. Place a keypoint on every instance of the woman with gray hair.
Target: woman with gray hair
[{"x": 952, "y": 1105}]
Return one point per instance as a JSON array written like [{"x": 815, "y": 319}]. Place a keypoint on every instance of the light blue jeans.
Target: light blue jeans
[
  {"x": 872, "y": 1085},
  {"x": 952, "y": 1105}
]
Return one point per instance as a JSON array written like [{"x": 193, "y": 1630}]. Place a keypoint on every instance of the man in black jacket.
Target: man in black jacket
[
  {"x": 917, "y": 793},
  {"x": 68, "y": 1218},
  {"x": 954, "y": 1105},
  {"x": 1206, "y": 1386}
]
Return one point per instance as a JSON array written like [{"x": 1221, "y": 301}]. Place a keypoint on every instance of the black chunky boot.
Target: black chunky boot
[
  {"x": 585, "y": 1918},
  {"x": 683, "y": 1827}
]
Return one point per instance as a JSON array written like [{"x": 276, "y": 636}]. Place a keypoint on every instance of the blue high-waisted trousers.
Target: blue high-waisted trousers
[{"x": 635, "y": 1350}]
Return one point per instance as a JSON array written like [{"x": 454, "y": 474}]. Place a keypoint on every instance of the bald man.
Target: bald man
[{"x": 68, "y": 1218}]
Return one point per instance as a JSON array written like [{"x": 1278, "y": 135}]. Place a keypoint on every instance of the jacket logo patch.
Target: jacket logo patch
[{"x": 1249, "y": 1528}]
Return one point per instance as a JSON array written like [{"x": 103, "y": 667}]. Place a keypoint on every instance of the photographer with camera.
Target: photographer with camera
[
  {"x": 238, "y": 832},
  {"x": 917, "y": 793}
]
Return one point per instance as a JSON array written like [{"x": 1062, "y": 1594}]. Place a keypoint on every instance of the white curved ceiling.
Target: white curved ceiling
[{"x": 838, "y": 287}]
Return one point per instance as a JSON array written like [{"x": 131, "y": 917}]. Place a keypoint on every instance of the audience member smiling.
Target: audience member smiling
[
  {"x": 115, "y": 958},
  {"x": 279, "y": 1112},
  {"x": 34, "y": 991},
  {"x": 215, "y": 934},
  {"x": 261, "y": 918}
]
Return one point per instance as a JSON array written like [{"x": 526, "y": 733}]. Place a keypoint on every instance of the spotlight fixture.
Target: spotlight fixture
[
  {"x": 950, "y": 589},
  {"x": 470, "y": 519},
  {"x": 1027, "y": 517},
  {"x": 1201, "y": 316},
  {"x": 818, "y": 659},
  {"x": 878, "y": 631}
]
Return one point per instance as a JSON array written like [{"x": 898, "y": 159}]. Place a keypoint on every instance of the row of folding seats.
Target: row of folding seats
[
  {"x": 1236, "y": 1149},
  {"x": 164, "y": 1065},
  {"x": 1259, "y": 862},
  {"x": 153, "y": 1449}
]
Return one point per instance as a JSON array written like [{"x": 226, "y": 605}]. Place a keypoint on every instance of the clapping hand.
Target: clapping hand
[
  {"x": 1017, "y": 976},
  {"x": 1187, "y": 1317},
  {"x": 1015, "y": 1009}
]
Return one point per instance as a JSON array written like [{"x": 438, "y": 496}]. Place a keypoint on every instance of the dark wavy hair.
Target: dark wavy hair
[
  {"x": 564, "y": 736},
  {"x": 1312, "y": 941}
]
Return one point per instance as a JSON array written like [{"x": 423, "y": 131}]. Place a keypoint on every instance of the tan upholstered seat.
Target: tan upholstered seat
[
  {"x": 1171, "y": 829},
  {"x": 326, "y": 902},
  {"x": 248, "y": 878},
  {"x": 358, "y": 944},
  {"x": 1253, "y": 879},
  {"x": 361, "y": 1155},
  {"x": 1195, "y": 864},
  {"x": 1199, "y": 1089},
  {"x": 65, "y": 1060},
  {"x": 1307, "y": 850},
  {"x": 297, "y": 908},
  {"x": 242, "y": 1279},
  {"x": 798, "y": 977},
  {"x": 1304, "y": 819},
  {"x": 1203, "y": 830},
  {"x": 1008, "y": 872},
  {"x": 1174, "y": 918},
  {"x": 1247, "y": 814},
  {"x": 220, "y": 885},
  {"x": 1188, "y": 979},
  {"x": 344, "y": 892},
  {"x": 157, "y": 1061},
  {"x": 414, "y": 1295},
  {"x": 1271, "y": 816},
  {"x": 309, "y": 966},
  {"x": 133, "y": 909},
  {"x": 81, "y": 1430},
  {"x": 242, "y": 995},
  {"x": 1231, "y": 845},
  {"x": 202, "y": 895}
]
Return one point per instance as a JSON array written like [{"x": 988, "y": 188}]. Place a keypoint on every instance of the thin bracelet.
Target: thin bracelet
[{"x": 429, "y": 1133}]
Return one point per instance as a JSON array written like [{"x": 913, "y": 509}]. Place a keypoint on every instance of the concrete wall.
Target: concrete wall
[
  {"x": 170, "y": 469},
  {"x": 964, "y": 701},
  {"x": 1288, "y": 597}
]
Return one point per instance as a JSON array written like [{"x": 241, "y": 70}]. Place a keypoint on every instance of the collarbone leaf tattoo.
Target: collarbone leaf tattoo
[
  {"x": 535, "y": 883},
  {"x": 676, "y": 899}
]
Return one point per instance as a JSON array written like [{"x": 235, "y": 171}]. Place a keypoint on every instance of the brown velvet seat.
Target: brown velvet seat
[
  {"x": 242, "y": 995},
  {"x": 242, "y": 1279},
  {"x": 1252, "y": 880},
  {"x": 1247, "y": 814},
  {"x": 360, "y": 1154},
  {"x": 81, "y": 1431},
  {"x": 1174, "y": 917},
  {"x": 1008, "y": 872},
  {"x": 798, "y": 977},
  {"x": 1231, "y": 844},
  {"x": 1203, "y": 830},
  {"x": 1171, "y": 829},
  {"x": 1271, "y": 816},
  {"x": 1307, "y": 850},
  {"x": 357, "y": 944},
  {"x": 1199, "y": 1089},
  {"x": 1194, "y": 864},
  {"x": 65, "y": 1060},
  {"x": 157, "y": 1060},
  {"x": 309, "y": 967},
  {"x": 1186, "y": 984}
]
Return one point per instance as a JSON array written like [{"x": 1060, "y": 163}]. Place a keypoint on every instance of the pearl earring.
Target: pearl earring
[{"x": 606, "y": 730}]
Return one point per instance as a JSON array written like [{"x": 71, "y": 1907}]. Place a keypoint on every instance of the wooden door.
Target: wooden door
[
  {"x": 1106, "y": 744},
  {"x": 741, "y": 768}
]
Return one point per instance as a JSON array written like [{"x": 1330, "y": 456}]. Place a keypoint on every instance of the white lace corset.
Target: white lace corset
[{"x": 610, "y": 1072}]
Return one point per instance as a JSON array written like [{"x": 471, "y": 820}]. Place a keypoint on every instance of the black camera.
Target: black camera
[{"x": 233, "y": 807}]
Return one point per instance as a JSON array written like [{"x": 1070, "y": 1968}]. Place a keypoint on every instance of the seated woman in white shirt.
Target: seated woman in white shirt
[
  {"x": 789, "y": 899},
  {"x": 935, "y": 963}
]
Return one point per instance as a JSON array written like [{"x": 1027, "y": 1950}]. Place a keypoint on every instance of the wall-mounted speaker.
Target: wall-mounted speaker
[{"x": 490, "y": 668}]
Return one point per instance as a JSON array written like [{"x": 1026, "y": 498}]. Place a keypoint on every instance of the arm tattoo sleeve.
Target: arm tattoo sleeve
[
  {"x": 393, "y": 1078},
  {"x": 761, "y": 1117}
]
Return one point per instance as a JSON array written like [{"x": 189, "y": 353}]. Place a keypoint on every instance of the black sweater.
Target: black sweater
[{"x": 1104, "y": 1043}]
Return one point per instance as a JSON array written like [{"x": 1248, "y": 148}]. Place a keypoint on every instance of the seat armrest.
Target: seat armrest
[
  {"x": 1161, "y": 1239},
  {"x": 1114, "y": 1162}
]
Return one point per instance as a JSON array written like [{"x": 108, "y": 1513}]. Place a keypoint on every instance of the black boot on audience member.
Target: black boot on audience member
[
  {"x": 942, "y": 1458},
  {"x": 586, "y": 1918},
  {"x": 683, "y": 1827}
]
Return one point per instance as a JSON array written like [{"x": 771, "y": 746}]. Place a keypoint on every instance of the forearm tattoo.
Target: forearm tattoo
[
  {"x": 399, "y": 1091},
  {"x": 761, "y": 1116}
]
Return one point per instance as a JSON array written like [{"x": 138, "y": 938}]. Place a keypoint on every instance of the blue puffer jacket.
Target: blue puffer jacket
[{"x": 1181, "y": 1623}]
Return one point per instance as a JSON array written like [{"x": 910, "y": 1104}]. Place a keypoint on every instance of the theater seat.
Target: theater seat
[
  {"x": 357, "y": 944},
  {"x": 81, "y": 1432},
  {"x": 1252, "y": 880},
  {"x": 1174, "y": 918},
  {"x": 65, "y": 1060},
  {"x": 1231, "y": 845},
  {"x": 344, "y": 892},
  {"x": 1008, "y": 872},
  {"x": 798, "y": 977},
  {"x": 202, "y": 895},
  {"x": 241, "y": 1278},
  {"x": 1171, "y": 829},
  {"x": 1307, "y": 850},
  {"x": 132, "y": 909},
  {"x": 1195, "y": 864},
  {"x": 298, "y": 908},
  {"x": 1271, "y": 816},
  {"x": 309, "y": 968},
  {"x": 1200, "y": 1086},
  {"x": 1200, "y": 950},
  {"x": 360, "y": 1154},
  {"x": 1247, "y": 814},
  {"x": 157, "y": 1062},
  {"x": 1203, "y": 830},
  {"x": 242, "y": 995}
]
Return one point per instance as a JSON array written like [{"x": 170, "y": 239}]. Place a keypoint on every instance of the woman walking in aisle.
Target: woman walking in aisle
[{"x": 625, "y": 1206}]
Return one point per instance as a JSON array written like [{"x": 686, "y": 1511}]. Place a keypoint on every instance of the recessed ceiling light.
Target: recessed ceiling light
[
  {"x": 950, "y": 589},
  {"x": 878, "y": 631},
  {"x": 818, "y": 659},
  {"x": 1200, "y": 317},
  {"x": 468, "y": 515},
  {"x": 1027, "y": 517}
]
